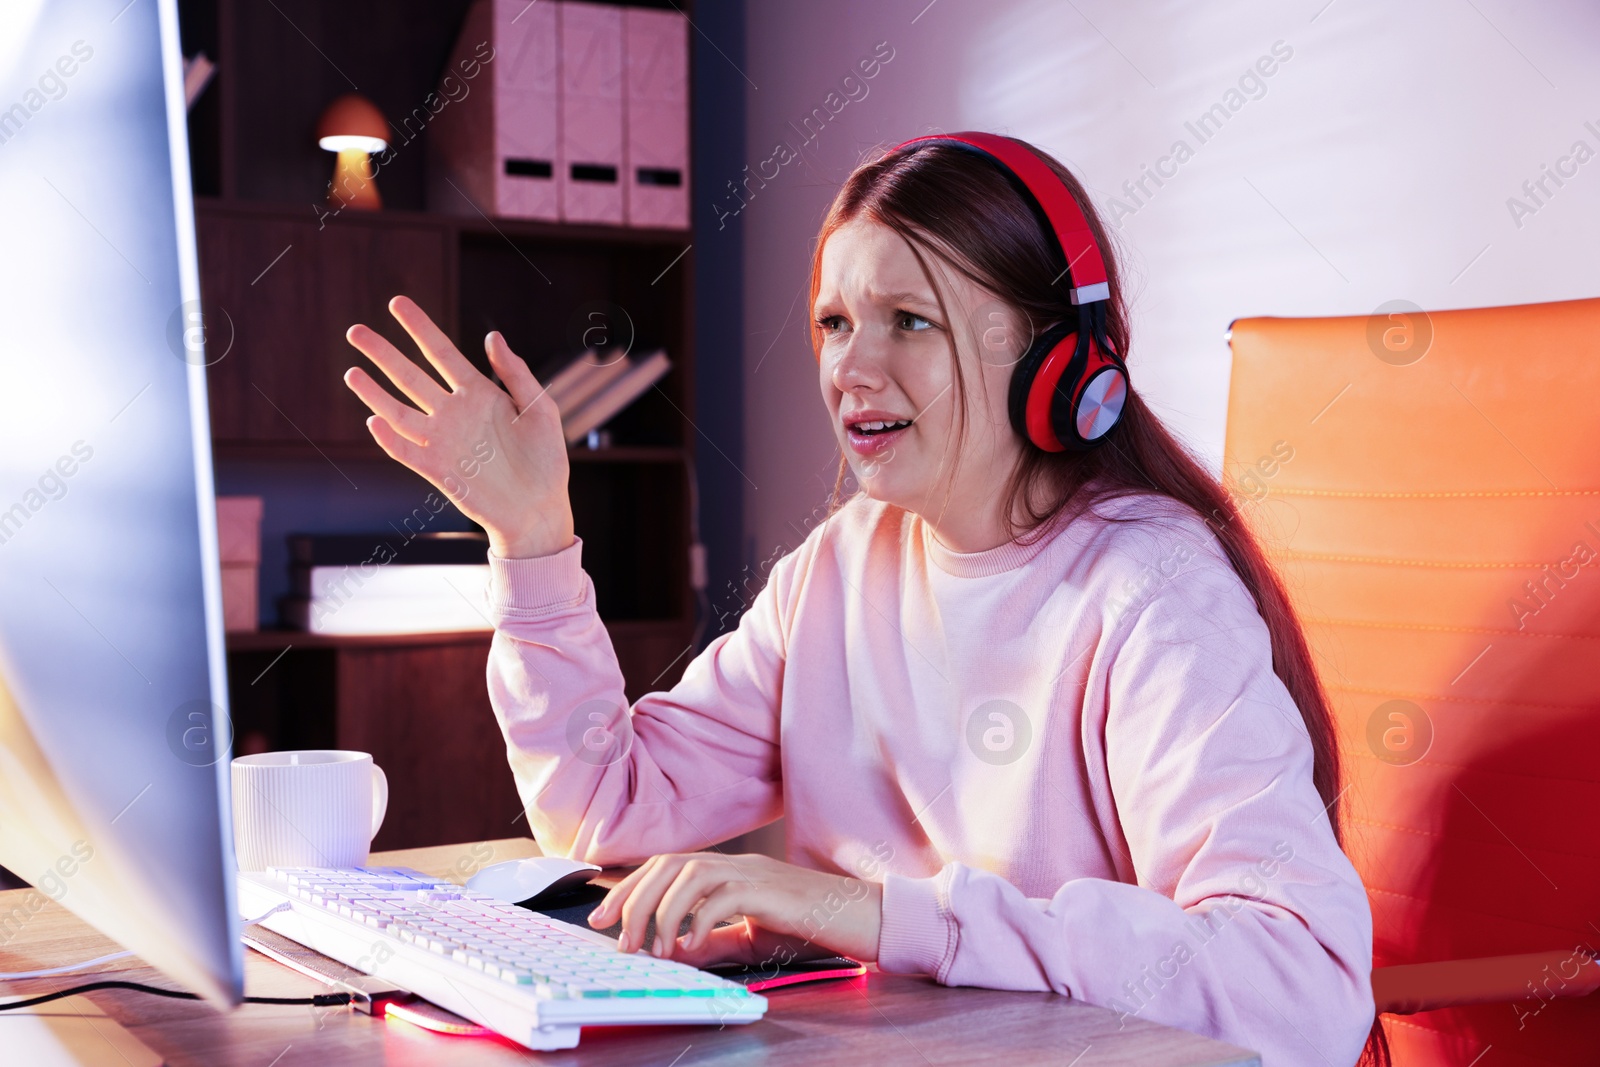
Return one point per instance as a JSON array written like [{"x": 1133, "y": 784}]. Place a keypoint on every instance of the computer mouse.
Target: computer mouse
[{"x": 521, "y": 881}]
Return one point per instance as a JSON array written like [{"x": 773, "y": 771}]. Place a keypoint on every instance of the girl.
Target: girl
[{"x": 1037, "y": 719}]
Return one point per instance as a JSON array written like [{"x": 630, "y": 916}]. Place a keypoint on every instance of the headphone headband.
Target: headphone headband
[{"x": 1085, "y": 267}]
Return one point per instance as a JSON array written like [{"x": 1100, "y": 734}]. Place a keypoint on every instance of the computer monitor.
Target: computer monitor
[{"x": 113, "y": 724}]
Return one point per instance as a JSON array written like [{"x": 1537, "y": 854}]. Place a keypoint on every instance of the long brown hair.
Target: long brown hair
[{"x": 955, "y": 205}]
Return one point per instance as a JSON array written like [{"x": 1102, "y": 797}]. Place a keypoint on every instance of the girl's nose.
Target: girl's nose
[{"x": 857, "y": 365}]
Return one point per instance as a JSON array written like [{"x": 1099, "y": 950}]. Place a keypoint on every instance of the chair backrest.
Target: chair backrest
[{"x": 1428, "y": 485}]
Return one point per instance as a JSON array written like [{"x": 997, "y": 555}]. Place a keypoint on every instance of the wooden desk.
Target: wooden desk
[{"x": 881, "y": 1019}]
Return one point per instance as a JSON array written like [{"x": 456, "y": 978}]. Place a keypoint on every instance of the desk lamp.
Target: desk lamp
[{"x": 354, "y": 128}]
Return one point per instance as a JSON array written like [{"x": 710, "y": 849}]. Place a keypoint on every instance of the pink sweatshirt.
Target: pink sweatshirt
[{"x": 1070, "y": 763}]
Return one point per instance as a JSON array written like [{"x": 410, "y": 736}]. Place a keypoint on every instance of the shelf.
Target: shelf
[
  {"x": 287, "y": 288},
  {"x": 521, "y": 229},
  {"x": 537, "y": 229},
  {"x": 282, "y": 640},
  {"x": 292, "y": 450},
  {"x": 627, "y": 454},
  {"x": 277, "y": 641},
  {"x": 356, "y": 450}
]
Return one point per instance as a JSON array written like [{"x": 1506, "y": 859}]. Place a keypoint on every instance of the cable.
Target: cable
[
  {"x": 322, "y": 1000},
  {"x": 284, "y": 906},
  {"x": 68, "y": 968},
  {"x": 48, "y": 971},
  {"x": 698, "y": 578}
]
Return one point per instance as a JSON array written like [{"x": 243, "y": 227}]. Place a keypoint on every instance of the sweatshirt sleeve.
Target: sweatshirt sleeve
[
  {"x": 611, "y": 784},
  {"x": 1246, "y": 921}
]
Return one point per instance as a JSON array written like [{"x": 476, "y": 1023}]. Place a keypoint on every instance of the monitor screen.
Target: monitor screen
[{"x": 114, "y": 743}]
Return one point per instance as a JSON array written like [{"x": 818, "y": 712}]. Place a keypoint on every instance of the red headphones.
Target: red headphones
[{"x": 1069, "y": 388}]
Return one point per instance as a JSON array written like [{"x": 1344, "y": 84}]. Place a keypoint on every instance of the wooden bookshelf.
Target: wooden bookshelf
[
  {"x": 282, "y": 287},
  {"x": 282, "y": 279}
]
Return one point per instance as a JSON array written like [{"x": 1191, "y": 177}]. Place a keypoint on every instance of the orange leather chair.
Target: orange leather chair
[{"x": 1428, "y": 485}]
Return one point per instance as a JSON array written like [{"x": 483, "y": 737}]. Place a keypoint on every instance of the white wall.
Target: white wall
[{"x": 1376, "y": 164}]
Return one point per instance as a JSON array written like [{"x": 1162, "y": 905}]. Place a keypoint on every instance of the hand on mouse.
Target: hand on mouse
[
  {"x": 789, "y": 912},
  {"x": 498, "y": 454}
]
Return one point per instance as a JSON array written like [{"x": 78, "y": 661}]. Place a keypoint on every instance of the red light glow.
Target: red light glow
[{"x": 432, "y": 1021}]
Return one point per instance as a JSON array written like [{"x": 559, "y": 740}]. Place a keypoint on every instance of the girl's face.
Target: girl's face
[{"x": 889, "y": 385}]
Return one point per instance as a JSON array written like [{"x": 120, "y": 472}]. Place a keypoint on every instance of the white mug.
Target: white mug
[{"x": 316, "y": 808}]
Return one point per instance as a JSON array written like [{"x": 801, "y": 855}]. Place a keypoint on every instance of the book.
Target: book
[
  {"x": 455, "y": 608},
  {"x": 572, "y": 372},
  {"x": 656, "y": 148},
  {"x": 574, "y": 111},
  {"x": 413, "y": 581},
  {"x": 302, "y": 614},
  {"x": 498, "y": 148},
  {"x": 603, "y": 369},
  {"x": 589, "y": 181},
  {"x": 337, "y": 550},
  {"x": 582, "y": 376},
  {"x": 388, "y": 583},
  {"x": 619, "y": 394}
]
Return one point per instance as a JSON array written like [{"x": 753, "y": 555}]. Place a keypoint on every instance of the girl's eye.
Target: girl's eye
[
  {"x": 828, "y": 322},
  {"x": 908, "y": 317}
]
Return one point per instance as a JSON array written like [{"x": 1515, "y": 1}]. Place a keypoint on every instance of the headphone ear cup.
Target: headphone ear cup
[
  {"x": 1083, "y": 414},
  {"x": 1025, "y": 380}
]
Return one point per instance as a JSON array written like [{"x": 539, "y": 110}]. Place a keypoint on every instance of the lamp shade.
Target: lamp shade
[{"x": 353, "y": 122}]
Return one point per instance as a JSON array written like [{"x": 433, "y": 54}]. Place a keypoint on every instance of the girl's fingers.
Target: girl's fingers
[
  {"x": 397, "y": 447},
  {"x": 610, "y": 907},
  {"x": 407, "y": 420},
  {"x": 406, "y": 375},
  {"x": 439, "y": 349},
  {"x": 720, "y": 904},
  {"x": 693, "y": 882},
  {"x": 644, "y": 899},
  {"x": 519, "y": 381}
]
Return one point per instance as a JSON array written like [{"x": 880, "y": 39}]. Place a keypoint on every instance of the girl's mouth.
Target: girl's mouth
[{"x": 874, "y": 437}]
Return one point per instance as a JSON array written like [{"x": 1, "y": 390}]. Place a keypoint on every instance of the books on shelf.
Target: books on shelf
[
  {"x": 585, "y": 376},
  {"x": 591, "y": 389},
  {"x": 592, "y": 173},
  {"x": 495, "y": 148},
  {"x": 563, "y": 110},
  {"x": 656, "y": 117},
  {"x": 367, "y": 584}
]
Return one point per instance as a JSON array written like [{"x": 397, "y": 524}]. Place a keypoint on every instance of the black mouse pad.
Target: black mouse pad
[{"x": 575, "y": 908}]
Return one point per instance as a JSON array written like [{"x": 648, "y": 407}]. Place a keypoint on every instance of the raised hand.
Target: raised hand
[{"x": 500, "y": 457}]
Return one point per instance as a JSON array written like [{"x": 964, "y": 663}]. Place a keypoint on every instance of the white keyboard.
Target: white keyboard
[{"x": 532, "y": 978}]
